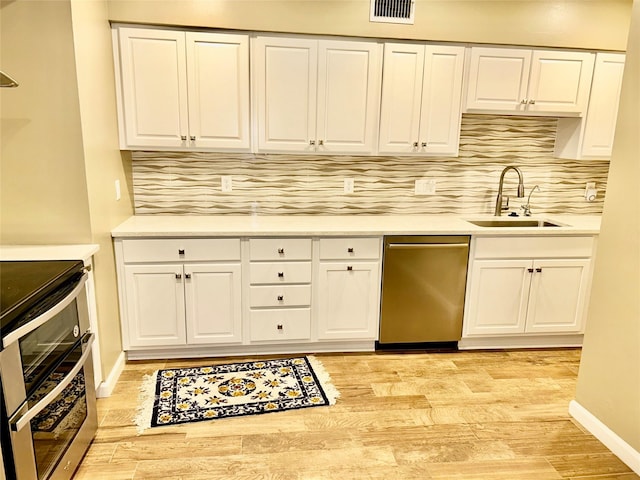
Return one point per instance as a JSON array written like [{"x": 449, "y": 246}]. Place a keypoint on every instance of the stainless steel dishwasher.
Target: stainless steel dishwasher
[{"x": 423, "y": 288}]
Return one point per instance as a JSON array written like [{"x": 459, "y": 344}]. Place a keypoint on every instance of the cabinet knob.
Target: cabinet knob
[
  {"x": 312, "y": 142},
  {"x": 350, "y": 249},
  {"x": 281, "y": 251},
  {"x": 178, "y": 276},
  {"x": 321, "y": 142},
  {"x": 280, "y": 298},
  {"x": 193, "y": 138},
  {"x": 539, "y": 270},
  {"x": 280, "y": 274},
  {"x": 349, "y": 268},
  {"x": 524, "y": 101},
  {"x": 415, "y": 144},
  {"x": 183, "y": 138},
  {"x": 279, "y": 327},
  {"x": 424, "y": 144},
  {"x": 532, "y": 102},
  {"x": 187, "y": 275},
  {"x": 530, "y": 270},
  {"x": 181, "y": 251}
]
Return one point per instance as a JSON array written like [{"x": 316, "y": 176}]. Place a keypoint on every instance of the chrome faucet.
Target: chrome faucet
[
  {"x": 499, "y": 206},
  {"x": 527, "y": 206}
]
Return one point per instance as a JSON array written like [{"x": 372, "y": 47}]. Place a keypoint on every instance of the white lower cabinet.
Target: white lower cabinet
[
  {"x": 516, "y": 288},
  {"x": 348, "y": 288},
  {"x": 179, "y": 292}
]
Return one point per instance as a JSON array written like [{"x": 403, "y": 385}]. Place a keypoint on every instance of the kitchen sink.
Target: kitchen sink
[{"x": 513, "y": 223}]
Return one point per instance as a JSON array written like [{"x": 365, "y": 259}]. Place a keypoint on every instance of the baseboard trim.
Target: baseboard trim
[
  {"x": 613, "y": 442},
  {"x": 106, "y": 387}
]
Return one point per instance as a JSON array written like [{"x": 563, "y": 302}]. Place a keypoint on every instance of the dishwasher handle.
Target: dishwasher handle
[{"x": 427, "y": 245}]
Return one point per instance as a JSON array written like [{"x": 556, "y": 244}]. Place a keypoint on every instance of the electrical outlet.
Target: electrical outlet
[
  {"x": 425, "y": 187},
  {"x": 226, "y": 183},
  {"x": 349, "y": 185}
]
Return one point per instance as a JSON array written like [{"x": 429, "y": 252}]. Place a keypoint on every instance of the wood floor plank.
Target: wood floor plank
[{"x": 481, "y": 415}]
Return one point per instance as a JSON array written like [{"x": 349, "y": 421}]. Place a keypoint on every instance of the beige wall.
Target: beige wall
[
  {"x": 609, "y": 378},
  {"x": 592, "y": 24},
  {"x": 60, "y": 155},
  {"x": 103, "y": 161},
  {"x": 43, "y": 189}
]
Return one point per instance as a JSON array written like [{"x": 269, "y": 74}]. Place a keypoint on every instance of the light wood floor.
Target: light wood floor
[{"x": 465, "y": 415}]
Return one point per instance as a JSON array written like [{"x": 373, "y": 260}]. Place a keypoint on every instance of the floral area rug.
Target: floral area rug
[{"x": 181, "y": 395}]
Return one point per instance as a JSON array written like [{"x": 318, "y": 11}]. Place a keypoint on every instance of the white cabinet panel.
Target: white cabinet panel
[
  {"x": 315, "y": 96},
  {"x": 550, "y": 82},
  {"x": 155, "y": 305},
  {"x": 592, "y": 136},
  {"x": 154, "y": 87},
  {"x": 213, "y": 303},
  {"x": 499, "y": 292},
  {"x": 558, "y": 295},
  {"x": 218, "y": 82},
  {"x": 348, "y": 300},
  {"x": 422, "y": 88},
  {"x": 183, "y": 90}
]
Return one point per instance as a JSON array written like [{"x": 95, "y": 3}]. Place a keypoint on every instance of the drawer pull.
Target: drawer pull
[
  {"x": 181, "y": 251},
  {"x": 280, "y": 298},
  {"x": 178, "y": 276},
  {"x": 538, "y": 270},
  {"x": 280, "y": 274},
  {"x": 349, "y": 268},
  {"x": 281, "y": 251},
  {"x": 350, "y": 249},
  {"x": 530, "y": 270},
  {"x": 187, "y": 275},
  {"x": 280, "y": 327}
]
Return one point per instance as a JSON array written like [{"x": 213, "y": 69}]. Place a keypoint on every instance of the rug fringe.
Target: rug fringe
[
  {"x": 329, "y": 388},
  {"x": 146, "y": 400}
]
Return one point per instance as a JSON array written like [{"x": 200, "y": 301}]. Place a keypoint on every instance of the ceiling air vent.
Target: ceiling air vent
[{"x": 392, "y": 11}]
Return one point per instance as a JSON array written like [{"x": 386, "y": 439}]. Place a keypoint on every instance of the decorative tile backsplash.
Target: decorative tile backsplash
[{"x": 189, "y": 183}]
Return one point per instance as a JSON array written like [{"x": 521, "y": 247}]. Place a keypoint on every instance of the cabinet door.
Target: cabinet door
[
  {"x": 600, "y": 122},
  {"x": 498, "y": 79},
  {"x": 401, "y": 96},
  {"x": 285, "y": 76},
  {"x": 154, "y": 87},
  {"x": 213, "y": 313},
  {"x": 558, "y": 296},
  {"x": 218, "y": 79},
  {"x": 498, "y": 295},
  {"x": 348, "y": 96},
  {"x": 441, "y": 96},
  {"x": 560, "y": 81},
  {"x": 348, "y": 300},
  {"x": 155, "y": 305}
]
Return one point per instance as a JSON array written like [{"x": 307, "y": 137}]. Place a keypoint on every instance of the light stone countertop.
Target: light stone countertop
[
  {"x": 48, "y": 252},
  {"x": 342, "y": 225}
]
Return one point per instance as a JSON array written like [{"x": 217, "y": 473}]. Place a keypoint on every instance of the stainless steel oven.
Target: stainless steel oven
[{"x": 46, "y": 371}]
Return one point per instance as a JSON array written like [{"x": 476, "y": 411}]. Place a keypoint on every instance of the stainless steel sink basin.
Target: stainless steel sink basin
[{"x": 513, "y": 223}]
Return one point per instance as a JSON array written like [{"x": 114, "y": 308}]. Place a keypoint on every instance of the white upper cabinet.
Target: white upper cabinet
[
  {"x": 519, "y": 81},
  {"x": 183, "y": 90},
  {"x": 420, "y": 110},
  {"x": 592, "y": 136},
  {"x": 316, "y": 96}
]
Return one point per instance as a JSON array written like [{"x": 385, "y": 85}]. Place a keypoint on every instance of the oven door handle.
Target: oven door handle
[
  {"x": 23, "y": 421},
  {"x": 18, "y": 333}
]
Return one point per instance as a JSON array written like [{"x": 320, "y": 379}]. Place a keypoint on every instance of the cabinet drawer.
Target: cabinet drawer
[
  {"x": 349, "y": 248},
  {"x": 534, "y": 247},
  {"x": 181, "y": 249},
  {"x": 280, "y": 296},
  {"x": 281, "y": 324},
  {"x": 280, "y": 249},
  {"x": 280, "y": 272}
]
